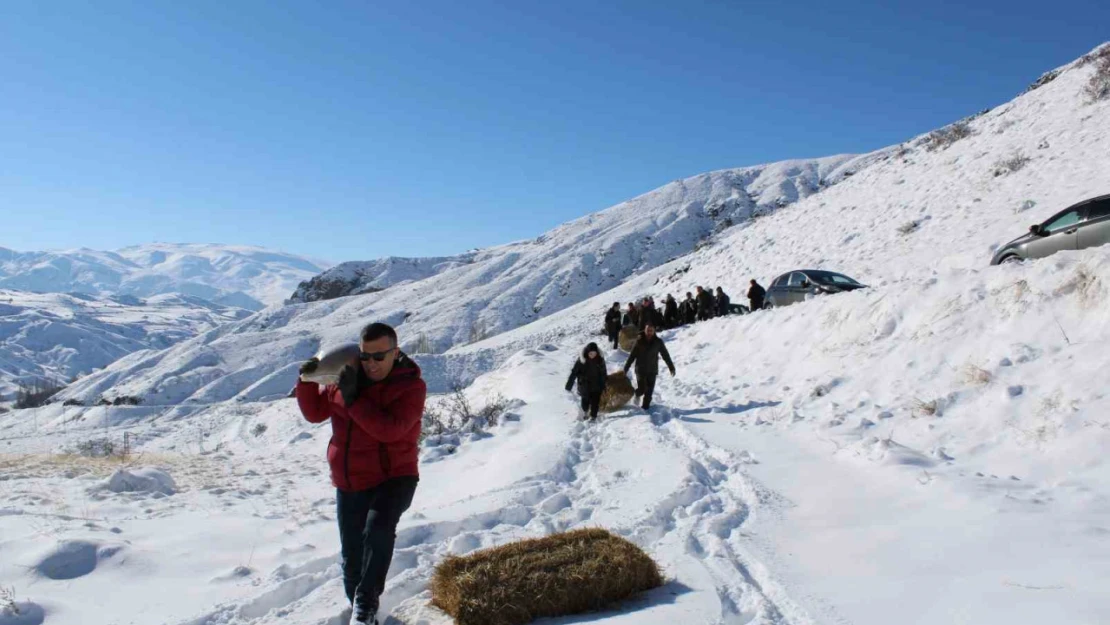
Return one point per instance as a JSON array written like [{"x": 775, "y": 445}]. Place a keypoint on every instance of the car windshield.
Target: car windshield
[{"x": 828, "y": 277}]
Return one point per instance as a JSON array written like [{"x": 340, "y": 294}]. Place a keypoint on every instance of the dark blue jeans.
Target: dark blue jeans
[{"x": 367, "y": 531}]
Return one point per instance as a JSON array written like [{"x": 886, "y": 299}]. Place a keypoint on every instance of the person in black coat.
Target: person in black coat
[
  {"x": 756, "y": 295},
  {"x": 706, "y": 308},
  {"x": 671, "y": 318},
  {"x": 647, "y": 314},
  {"x": 723, "y": 300},
  {"x": 613, "y": 324},
  {"x": 590, "y": 374},
  {"x": 631, "y": 316},
  {"x": 689, "y": 309},
  {"x": 649, "y": 348}
]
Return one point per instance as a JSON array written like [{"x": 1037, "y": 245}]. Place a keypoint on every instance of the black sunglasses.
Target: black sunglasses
[{"x": 375, "y": 356}]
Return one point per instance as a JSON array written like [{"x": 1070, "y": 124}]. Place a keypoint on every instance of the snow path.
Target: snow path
[{"x": 687, "y": 505}]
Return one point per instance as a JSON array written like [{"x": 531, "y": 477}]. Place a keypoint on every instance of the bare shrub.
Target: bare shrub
[
  {"x": 929, "y": 408},
  {"x": 1095, "y": 55},
  {"x": 909, "y": 227},
  {"x": 1085, "y": 284},
  {"x": 1098, "y": 86},
  {"x": 259, "y": 429},
  {"x": 104, "y": 448},
  {"x": 7, "y": 601},
  {"x": 455, "y": 414},
  {"x": 1014, "y": 162},
  {"x": 494, "y": 408},
  {"x": 566, "y": 573},
  {"x": 1043, "y": 80},
  {"x": 944, "y": 137},
  {"x": 976, "y": 375}
]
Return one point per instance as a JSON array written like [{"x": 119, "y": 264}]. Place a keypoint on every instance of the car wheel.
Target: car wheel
[{"x": 1012, "y": 260}]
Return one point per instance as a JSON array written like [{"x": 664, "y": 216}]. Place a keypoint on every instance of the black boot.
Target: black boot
[{"x": 364, "y": 613}]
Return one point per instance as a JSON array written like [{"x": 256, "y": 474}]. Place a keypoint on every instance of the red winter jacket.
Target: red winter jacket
[{"x": 376, "y": 437}]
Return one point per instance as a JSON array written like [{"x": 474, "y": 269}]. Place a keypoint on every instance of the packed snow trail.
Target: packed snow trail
[{"x": 683, "y": 500}]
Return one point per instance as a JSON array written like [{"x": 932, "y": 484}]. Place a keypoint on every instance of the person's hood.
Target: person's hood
[{"x": 587, "y": 349}]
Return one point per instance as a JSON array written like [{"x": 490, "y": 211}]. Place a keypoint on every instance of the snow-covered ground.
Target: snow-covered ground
[
  {"x": 53, "y": 336},
  {"x": 242, "y": 276},
  {"x": 927, "y": 450}
]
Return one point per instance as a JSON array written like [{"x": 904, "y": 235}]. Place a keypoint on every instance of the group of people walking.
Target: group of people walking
[
  {"x": 591, "y": 376},
  {"x": 705, "y": 304},
  {"x": 589, "y": 371}
]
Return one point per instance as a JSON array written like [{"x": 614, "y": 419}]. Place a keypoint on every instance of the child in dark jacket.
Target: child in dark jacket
[{"x": 590, "y": 374}]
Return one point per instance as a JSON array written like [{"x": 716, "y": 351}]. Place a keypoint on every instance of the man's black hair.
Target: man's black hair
[{"x": 375, "y": 331}]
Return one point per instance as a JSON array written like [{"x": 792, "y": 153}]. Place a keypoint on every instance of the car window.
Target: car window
[
  {"x": 1066, "y": 220},
  {"x": 780, "y": 281},
  {"x": 797, "y": 278},
  {"x": 1099, "y": 209},
  {"x": 834, "y": 278}
]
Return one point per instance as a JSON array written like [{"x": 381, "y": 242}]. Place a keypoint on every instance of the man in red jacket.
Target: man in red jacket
[{"x": 375, "y": 412}]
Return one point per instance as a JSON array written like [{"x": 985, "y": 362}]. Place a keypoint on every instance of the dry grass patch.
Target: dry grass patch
[
  {"x": 71, "y": 464},
  {"x": 618, "y": 390},
  {"x": 628, "y": 337},
  {"x": 927, "y": 408},
  {"x": 568, "y": 573},
  {"x": 977, "y": 375}
]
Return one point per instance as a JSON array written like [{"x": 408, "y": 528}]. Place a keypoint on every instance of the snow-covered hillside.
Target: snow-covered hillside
[
  {"x": 358, "y": 277},
  {"x": 507, "y": 286},
  {"x": 476, "y": 295},
  {"x": 242, "y": 276},
  {"x": 54, "y": 336},
  {"x": 932, "y": 447}
]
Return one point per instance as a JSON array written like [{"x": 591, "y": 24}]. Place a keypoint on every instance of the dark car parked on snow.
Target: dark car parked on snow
[
  {"x": 1083, "y": 225},
  {"x": 794, "y": 286}
]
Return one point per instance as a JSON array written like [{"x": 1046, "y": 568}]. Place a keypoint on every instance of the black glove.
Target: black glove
[
  {"x": 310, "y": 365},
  {"x": 348, "y": 385}
]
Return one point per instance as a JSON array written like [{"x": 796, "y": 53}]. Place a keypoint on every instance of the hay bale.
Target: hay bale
[
  {"x": 567, "y": 573},
  {"x": 618, "y": 390},
  {"x": 628, "y": 337}
]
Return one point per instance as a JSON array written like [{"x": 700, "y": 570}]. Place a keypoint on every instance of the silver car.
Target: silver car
[
  {"x": 1077, "y": 227},
  {"x": 793, "y": 287}
]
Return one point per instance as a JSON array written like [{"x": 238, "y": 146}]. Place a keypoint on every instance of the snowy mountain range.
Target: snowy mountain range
[
  {"x": 246, "y": 277},
  {"x": 932, "y": 447},
  {"x": 56, "y": 336}
]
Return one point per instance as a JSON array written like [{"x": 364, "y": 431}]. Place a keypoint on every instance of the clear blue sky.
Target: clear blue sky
[{"x": 352, "y": 130}]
